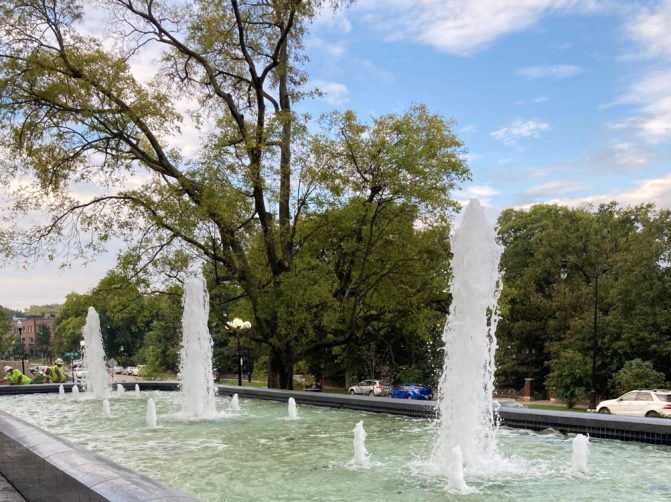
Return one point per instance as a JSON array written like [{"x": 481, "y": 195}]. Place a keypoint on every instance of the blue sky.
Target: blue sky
[
  {"x": 556, "y": 101},
  {"x": 564, "y": 101}
]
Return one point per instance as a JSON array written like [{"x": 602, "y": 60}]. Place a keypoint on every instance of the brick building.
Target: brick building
[{"x": 28, "y": 326}]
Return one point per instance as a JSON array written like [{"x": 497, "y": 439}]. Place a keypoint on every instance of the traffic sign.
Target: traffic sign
[{"x": 71, "y": 354}]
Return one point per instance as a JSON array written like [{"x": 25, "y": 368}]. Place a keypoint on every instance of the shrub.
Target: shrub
[{"x": 637, "y": 374}]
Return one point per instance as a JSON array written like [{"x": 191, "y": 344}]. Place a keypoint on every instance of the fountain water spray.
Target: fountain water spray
[
  {"x": 106, "y": 409},
  {"x": 152, "y": 421},
  {"x": 361, "y": 455},
  {"x": 137, "y": 390},
  {"x": 466, "y": 423},
  {"x": 580, "y": 453},
  {"x": 94, "y": 357},
  {"x": 235, "y": 403},
  {"x": 196, "y": 352},
  {"x": 455, "y": 473},
  {"x": 293, "y": 411},
  {"x": 75, "y": 392},
  {"x": 61, "y": 391},
  {"x": 120, "y": 389}
]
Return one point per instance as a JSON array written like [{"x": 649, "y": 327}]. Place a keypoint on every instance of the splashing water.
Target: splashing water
[
  {"x": 455, "y": 473},
  {"x": 580, "y": 454},
  {"x": 120, "y": 389},
  {"x": 361, "y": 455},
  {"x": 75, "y": 393},
  {"x": 466, "y": 386},
  {"x": 196, "y": 353},
  {"x": 61, "y": 391},
  {"x": 137, "y": 390},
  {"x": 152, "y": 421},
  {"x": 94, "y": 357},
  {"x": 235, "y": 403},
  {"x": 106, "y": 409},
  {"x": 293, "y": 411}
]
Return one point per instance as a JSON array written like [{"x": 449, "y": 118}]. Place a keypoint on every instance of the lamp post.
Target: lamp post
[
  {"x": 594, "y": 276},
  {"x": 19, "y": 326},
  {"x": 237, "y": 325}
]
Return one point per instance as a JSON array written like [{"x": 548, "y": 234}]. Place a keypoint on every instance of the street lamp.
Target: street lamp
[
  {"x": 594, "y": 276},
  {"x": 19, "y": 326},
  {"x": 237, "y": 325}
]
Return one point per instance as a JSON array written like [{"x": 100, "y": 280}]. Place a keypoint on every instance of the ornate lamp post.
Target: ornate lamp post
[
  {"x": 237, "y": 325},
  {"x": 594, "y": 277}
]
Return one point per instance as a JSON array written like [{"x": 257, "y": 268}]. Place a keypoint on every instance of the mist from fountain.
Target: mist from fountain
[
  {"x": 196, "y": 353},
  {"x": 466, "y": 425},
  {"x": 292, "y": 410},
  {"x": 93, "y": 357}
]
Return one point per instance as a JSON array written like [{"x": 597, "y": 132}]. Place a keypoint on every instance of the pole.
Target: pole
[
  {"x": 237, "y": 336},
  {"x": 592, "y": 394}
]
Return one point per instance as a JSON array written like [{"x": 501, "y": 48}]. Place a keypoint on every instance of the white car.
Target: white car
[
  {"x": 639, "y": 403},
  {"x": 370, "y": 388}
]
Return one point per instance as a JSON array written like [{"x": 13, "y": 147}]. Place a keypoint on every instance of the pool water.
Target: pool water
[{"x": 259, "y": 454}]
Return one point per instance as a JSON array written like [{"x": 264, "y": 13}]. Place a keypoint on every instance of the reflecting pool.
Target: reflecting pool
[{"x": 258, "y": 453}]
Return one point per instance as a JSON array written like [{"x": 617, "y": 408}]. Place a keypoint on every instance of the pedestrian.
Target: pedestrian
[
  {"x": 55, "y": 373},
  {"x": 14, "y": 376}
]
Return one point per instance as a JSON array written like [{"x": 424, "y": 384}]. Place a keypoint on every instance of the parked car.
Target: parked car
[
  {"x": 130, "y": 371},
  {"x": 370, "y": 388},
  {"x": 117, "y": 370},
  {"x": 639, "y": 403},
  {"x": 506, "y": 403},
  {"x": 411, "y": 391}
]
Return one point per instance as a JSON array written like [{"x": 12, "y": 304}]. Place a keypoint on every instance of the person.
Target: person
[
  {"x": 14, "y": 376},
  {"x": 55, "y": 373}
]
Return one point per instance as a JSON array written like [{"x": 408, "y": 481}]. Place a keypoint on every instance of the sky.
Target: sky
[{"x": 556, "y": 101}]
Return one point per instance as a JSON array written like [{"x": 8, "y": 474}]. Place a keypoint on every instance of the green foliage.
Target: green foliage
[
  {"x": 569, "y": 376},
  {"x": 43, "y": 340},
  {"x": 7, "y": 341},
  {"x": 637, "y": 374}
]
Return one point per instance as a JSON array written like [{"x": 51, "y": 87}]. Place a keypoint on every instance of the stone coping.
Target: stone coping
[{"x": 42, "y": 466}]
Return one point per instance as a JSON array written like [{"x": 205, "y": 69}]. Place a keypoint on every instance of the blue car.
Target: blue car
[{"x": 411, "y": 391}]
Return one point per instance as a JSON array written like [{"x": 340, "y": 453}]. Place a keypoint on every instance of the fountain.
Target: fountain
[
  {"x": 361, "y": 455},
  {"x": 235, "y": 403},
  {"x": 580, "y": 453},
  {"x": 196, "y": 353},
  {"x": 120, "y": 389},
  {"x": 93, "y": 357},
  {"x": 152, "y": 421},
  {"x": 75, "y": 392},
  {"x": 466, "y": 428},
  {"x": 137, "y": 391},
  {"x": 61, "y": 391},
  {"x": 293, "y": 412},
  {"x": 106, "y": 409}
]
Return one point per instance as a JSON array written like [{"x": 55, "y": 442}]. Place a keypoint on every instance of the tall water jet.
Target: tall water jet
[
  {"x": 292, "y": 410},
  {"x": 93, "y": 357},
  {"x": 361, "y": 455},
  {"x": 106, "y": 409},
  {"x": 455, "y": 473},
  {"x": 466, "y": 386},
  {"x": 196, "y": 352},
  {"x": 580, "y": 452},
  {"x": 152, "y": 421},
  {"x": 235, "y": 402}
]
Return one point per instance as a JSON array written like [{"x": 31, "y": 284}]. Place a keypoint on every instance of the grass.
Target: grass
[{"x": 555, "y": 407}]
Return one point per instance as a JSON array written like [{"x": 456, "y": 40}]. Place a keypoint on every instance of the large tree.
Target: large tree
[{"x": 73, "y": 112}]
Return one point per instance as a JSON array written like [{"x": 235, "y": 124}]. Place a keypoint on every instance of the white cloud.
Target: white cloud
[
  {"x": 519, "y": 129},
  {"x": 555, "y": 187},
  {"x": 650, "y": 30},
  {"x": 459, "y": 27},
  {"x": 551, "y": 71},
  {"x": 333, "y": 92},
  {"x": 620, "y": 157}
]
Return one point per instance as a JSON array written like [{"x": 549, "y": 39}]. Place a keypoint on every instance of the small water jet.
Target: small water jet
[
  {"x": 195, "y": 357},
  {"x": 137, "y": 390},
  {"x": 235, "y": 403},
  {"x": 93, "y": 357},
  {"x": 580, "y": 453},
  {"x": 75, "y": 392},
  {"x": 61, "y": 391},
  {"x": 106, "y": 409},
  {"x": 292, "y": 410},
  {"x": 120, "y": 390},
  {"x": 152, "y": 421},
  {"x": 361, "y": 455}
]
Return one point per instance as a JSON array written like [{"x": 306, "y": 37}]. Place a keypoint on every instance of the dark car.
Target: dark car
[{"x": 411, "y": 391}]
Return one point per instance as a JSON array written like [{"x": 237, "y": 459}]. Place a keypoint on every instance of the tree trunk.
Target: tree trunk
[{"x": 280, "y": 369}]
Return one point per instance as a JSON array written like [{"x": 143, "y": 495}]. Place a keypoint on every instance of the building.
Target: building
[{"x": 28, "y": 326}]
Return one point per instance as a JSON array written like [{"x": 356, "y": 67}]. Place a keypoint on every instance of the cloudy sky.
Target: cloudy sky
[{"x": 563, "y": 101}]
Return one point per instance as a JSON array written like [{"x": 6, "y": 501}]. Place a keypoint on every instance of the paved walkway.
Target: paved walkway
[{"x": 8, "y": 493}]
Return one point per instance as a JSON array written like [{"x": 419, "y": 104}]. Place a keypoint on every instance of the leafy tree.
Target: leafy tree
[
  {"x": 43, "y": 340},
  {"x": 569, "y": 376},
  {"x": 73, "y": 112},
  {"x": 7, "y": 340},
  {"x": 637, "y": 374}
]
